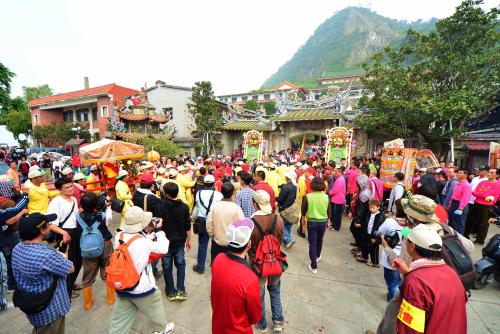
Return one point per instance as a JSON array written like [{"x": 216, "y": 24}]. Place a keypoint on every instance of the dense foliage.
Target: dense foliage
[
  {"x": 448, "y": 74},
  {"x": 206, "y": 113},
  {"x": 251, "y": 105},
  {"x": 166, "y": 148},
  {"x": 56, "y": 134}
]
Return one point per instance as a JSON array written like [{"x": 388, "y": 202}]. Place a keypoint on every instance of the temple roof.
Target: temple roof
[
  {"x": 247, "y": 124},
  {"x": 306, "y": 115},
  {"x": 143, "y": 117}
]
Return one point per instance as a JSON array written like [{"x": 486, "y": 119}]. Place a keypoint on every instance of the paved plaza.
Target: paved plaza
[{"x": 343, "y": 297}]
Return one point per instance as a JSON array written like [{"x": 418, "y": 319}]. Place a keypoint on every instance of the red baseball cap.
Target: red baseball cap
[{"x": 147, "y": 178}]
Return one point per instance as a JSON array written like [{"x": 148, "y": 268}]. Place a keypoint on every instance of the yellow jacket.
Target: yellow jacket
[
  {"x": 93, "y": 178},
  {"x": 302, "y": 188},
  {"x": 39, "y": 198},
  {"x": 123, "y": 193},
  {"x": 272, "y": 178},
  {"x": 185, "y": 184},
  {"x": 281, "y": 170}
]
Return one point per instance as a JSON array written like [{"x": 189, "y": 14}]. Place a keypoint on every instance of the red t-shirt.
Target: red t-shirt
[
  {"x": 441, "y": 213},
  {"x": 435, "y": 290},
  {"x": 235, "y": 296}
]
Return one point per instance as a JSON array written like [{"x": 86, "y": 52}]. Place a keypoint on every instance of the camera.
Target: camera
[
  {"x": 101, "y": 201},
  {"x": 392, "y": 239}
]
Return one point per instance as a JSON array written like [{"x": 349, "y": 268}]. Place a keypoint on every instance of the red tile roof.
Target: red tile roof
[
  {"x": 132, "y": 117},
  {"x": 477, "y": 146},
  {"x": 94, "y": 91}
]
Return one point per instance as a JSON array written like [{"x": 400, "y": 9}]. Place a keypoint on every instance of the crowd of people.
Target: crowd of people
[{"x": 246, "y": 211}]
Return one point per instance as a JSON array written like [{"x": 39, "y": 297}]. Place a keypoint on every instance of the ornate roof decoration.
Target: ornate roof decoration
[{"x": 246, "y": 125}]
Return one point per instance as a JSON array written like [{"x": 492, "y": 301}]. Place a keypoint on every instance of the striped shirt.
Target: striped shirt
[{"x": 245, "y": 201}]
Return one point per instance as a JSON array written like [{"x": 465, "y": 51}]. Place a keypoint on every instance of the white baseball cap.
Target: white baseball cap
[
  {"x": 425, "y": 237},
  {"x": 78, "y": 176},
  {"x": 35, "y": 173},
  {"x": 122, "y": 173},
  {"x": 67, "y": 171},
  {"x": 172, "y": 172},
  {"x": 209, "y": 178},
  {"x": 238, "y": 233}
]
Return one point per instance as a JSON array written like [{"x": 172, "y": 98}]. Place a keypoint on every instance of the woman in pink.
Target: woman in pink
[
  {"x": 337, "y": 197},
  {"x": 79, "y": 187}
]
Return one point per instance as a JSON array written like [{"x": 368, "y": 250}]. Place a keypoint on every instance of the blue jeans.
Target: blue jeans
[
  {"x": 202, "y": 250},
  {"x": 3, "y": 282},
  {"x": 275, "y": 296},
  {"x": 10, "y": 240},
  {"x": 315, "y": 233},
  {"x": 287, "y": 235},
  {"x": 175, "y": 255},
  {"x": 457, "y": 222},
  {"x": 393, "y": 281}
]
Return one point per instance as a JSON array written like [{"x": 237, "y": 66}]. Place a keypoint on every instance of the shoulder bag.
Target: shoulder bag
[{"x": 200, "y": 223}]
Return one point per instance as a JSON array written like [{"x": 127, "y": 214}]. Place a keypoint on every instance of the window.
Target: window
[
  {"x": 233, "y": 100},
  {"x": 68, "y": 116},
  {"x": 94, "y": 114},
  {"x": 82, "y": 115},
  {"x": 104, "y": 111},
  {"x": 244, "y": 98},
  {"x": 35, "y": 118},
  {"x": 255, "y": 97},
  {"x": 267, "y": 97}
]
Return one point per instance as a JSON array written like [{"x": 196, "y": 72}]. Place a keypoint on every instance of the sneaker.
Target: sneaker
[
  {"x": 318, "y": 259},
  {"x": 172, "y": 296},
  {"x": 196, "y": 270},
  {"x": 278, "y": 326},
  {"x": 8, "y": 306},
  {"x": 311, "y": 269},
  {"x": 262, "y": 330},
  {"x": 290, "y": 244},
  {"x": 182, "y": 295},
  {"x": 169, "y": 328}
]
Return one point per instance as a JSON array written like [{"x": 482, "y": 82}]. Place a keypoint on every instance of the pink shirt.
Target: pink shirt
[
  {"x": 377, "y": 188},
  {"x": 337, "y": 193},
  {"x": 352, "y": 175},
  {"x": 462, "y": 192},
  {"x": 485, "y": 189}
]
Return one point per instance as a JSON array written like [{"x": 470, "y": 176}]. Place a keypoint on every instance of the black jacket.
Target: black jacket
[
  {"x": 287, "y": 196},
  {"x": 176, "y": 221},
  {"x": 379, "y": 220},
  {"x": 153, "y": 201},
  {"x": 89, "y": 218}
]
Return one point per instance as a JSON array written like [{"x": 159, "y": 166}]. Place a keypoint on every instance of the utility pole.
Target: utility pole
[{"x": 452, "y": 144}]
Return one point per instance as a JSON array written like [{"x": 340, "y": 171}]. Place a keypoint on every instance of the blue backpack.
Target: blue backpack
[{"x": 91, "y": 241}]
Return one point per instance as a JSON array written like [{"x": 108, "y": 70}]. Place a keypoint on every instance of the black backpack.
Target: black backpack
[{"x": 456, "y": 256}]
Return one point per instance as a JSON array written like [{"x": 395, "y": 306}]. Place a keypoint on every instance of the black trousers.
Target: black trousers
[
  {"x": 370, "y": 249},
  {"x": 358, "y": 235},
  {"x": 336, "y": 215},
  {"x": 74, "y": 255},
  {"x": 215, "y": 250},
  {"x": 477, "y": 219}
]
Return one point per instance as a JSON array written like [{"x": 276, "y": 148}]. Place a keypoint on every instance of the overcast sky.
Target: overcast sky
[{"x": 233, "y": 43}]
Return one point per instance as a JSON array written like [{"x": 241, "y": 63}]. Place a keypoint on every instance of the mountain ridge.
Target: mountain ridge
[{"x": 341, "y": 44}]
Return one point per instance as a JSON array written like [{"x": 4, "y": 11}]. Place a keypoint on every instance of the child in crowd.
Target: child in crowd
[{"x": 370, "y": 226}]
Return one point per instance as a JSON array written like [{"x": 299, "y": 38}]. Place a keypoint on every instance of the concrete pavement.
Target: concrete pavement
[{"x": 345, "y": 296}]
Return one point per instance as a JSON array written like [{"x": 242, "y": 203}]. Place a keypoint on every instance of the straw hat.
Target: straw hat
[
  {"x": 421, "y": 208},
  {"x": 136, "y": 219}
]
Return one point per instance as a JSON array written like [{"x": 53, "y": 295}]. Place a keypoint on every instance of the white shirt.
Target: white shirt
[
  {"x": 388, "y": 227},
  {"x": 473, "y": 184},
  {"x": 204, "y": 195},
  {"x": 139, "y": 252},
  {"x": 63, "y": 208},
  {"x": 370, "y": 222}
]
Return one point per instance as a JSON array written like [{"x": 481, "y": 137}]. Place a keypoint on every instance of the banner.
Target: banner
[
  {"x": 494, "y": 157},
  {"x": 253, "y": 142},
  {"x": 396, "y": 160},
  {"x": 338, "y": 144}
]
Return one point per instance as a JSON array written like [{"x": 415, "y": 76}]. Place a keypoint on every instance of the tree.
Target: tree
[
  {"x": 251, "y": 105},
  {"x": 54, "y": 133},
  {"x": 31, "y": 93},
  {"x": 5, "y": 78},
  {"x": 206, "y": 113},
  {"x": 16, "y": 115},
  {"x": 270, "y": 107},
  {"x": 447, "y": 75}
]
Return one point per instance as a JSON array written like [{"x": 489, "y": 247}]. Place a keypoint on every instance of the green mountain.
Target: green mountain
[{"x": 341, "y": 44}]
